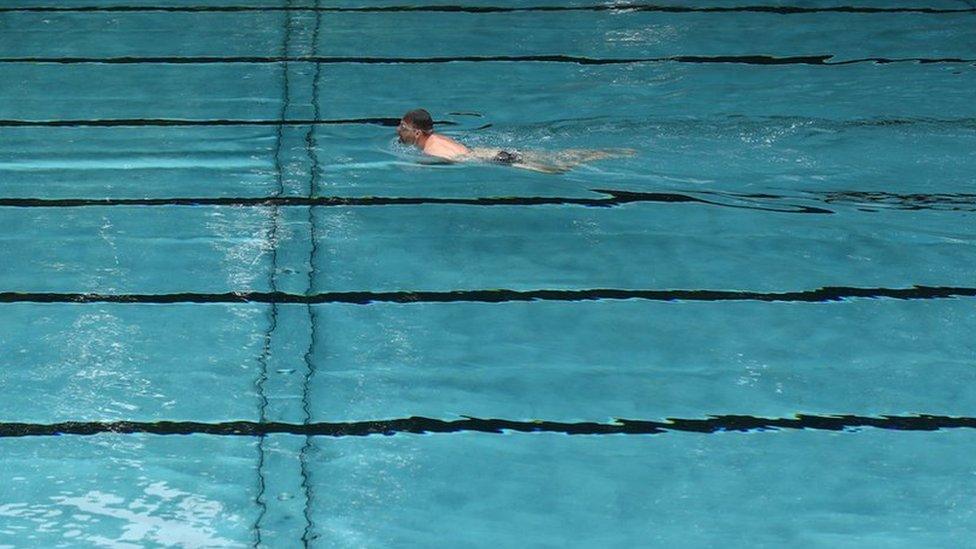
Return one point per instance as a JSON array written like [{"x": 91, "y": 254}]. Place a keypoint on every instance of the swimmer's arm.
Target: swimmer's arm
[
  {"x": 480, "y": 154},
  {"x": 432, "y": 160},
  {"x": 564, "y": 161},
  {"x": 539, "y": 167}
]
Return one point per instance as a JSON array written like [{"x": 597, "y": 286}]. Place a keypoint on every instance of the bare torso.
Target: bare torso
[{"x": 444, "y": 147}]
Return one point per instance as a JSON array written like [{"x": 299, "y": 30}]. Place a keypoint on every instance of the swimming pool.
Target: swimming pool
[{"x": 233, "y": 312}]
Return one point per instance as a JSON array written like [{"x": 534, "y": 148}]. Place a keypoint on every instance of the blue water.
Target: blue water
[{"x": 771, "y": 176}]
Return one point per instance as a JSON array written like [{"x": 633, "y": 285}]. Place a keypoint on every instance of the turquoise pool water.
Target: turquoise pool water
[{"x": 234, "y": 312}]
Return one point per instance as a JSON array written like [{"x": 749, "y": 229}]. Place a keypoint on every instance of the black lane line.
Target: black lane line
[
  {"x": 393, "y": 122},
  {"x": 424, "y": 425},
  {"x": 968, "y": 123},
  {"x": 613, "y": 198},
  {"x": 821, "y": 60},
  {"x": 781, "y": 10},
  {"x": 880, "y": 200},
  {"x": 114, "y": 122},
  {"x": 311, "y": 145},
  {"x": 820, "y": 295},
  {"x": 272, "y": 239}
]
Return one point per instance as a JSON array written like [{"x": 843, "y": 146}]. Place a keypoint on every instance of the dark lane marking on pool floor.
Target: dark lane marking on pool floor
[
  {"x": 870, "y": 201},
  {"x": 614, "y": 198},
  {"x": 272, "y": 240},
  {"x": 879, "y": 200},
  {"x": 424, "y": 425},
  {"x": 309, "y": 355},
  {"x": 819, "y": 60},
  {"x": 781, "y": 10},
  {"x": 875, "y": 200},
  {"x": 967, "y": 123},
  {"x": 820, "y": 295},
  {"x": 115, "y": 122}
]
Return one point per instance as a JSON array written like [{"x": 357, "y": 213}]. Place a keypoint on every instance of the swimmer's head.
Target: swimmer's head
[{"x": 415, "y": 126}]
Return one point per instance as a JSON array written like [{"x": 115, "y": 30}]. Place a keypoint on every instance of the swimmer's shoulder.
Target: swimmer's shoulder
[{"x": 445, "y": 147}]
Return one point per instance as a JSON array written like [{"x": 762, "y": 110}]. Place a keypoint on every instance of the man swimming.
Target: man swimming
[{"x": 417, "y": 128}]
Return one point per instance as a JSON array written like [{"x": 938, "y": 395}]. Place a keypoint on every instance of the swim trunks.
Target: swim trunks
[{"x": 505, "y": 157}]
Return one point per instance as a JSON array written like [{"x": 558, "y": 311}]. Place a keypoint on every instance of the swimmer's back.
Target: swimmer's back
[{"x": 445, "y": 147}]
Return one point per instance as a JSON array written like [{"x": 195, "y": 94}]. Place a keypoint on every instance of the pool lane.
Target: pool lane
[
  {"x": 793, "y": 157},
  {"x": 118, "y": 250},
  {"x": 242, "y": 91},
  {"x": 560, "y": 362},
  {"x": 607, "y": 34}
]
